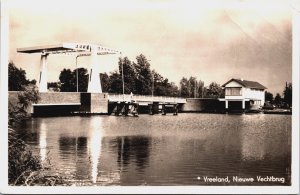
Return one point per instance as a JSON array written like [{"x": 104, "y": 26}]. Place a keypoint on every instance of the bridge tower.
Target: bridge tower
[
  {"x": 94, "y": 85},
  {"x": 43, "y": 73}
]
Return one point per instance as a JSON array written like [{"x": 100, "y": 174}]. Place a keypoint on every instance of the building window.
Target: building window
[{"x": 233, "y": 91}]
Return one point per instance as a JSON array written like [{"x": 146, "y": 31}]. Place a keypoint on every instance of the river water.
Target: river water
[{"x": 165, "y": 150}]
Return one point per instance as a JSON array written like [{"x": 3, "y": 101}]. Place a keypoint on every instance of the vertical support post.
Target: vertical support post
[
  {"x": 163, "y": 109},
  {"x": 136, "y": 108},
  {"x": 150, "y": 109},
  {"x": 226, "y": 104},
  {"x": 77, "y": 74},
  {"x": 243, "y": 104},
  {"x": 123, "y": 85},
  {"x": 43, "y": 73},
  {"x": 175, "y": 109},
  {"x": 94, "y": 78},
  {"x": 152, "y": 84}
]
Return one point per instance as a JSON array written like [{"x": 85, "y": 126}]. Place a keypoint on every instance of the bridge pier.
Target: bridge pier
[
  {"x": 172, "y": 108},
  {"x": 125, "y": 108},
  {"x": 153, "y": 108},
  {"x": 134, "y": 109},
  {"x": 119, "y": 108},
  {"x": 175, "y": 109},
  {"x": 165, "y": 108}
]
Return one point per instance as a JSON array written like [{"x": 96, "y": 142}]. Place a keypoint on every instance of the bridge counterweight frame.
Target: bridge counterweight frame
[{"x": 94, "y": 85}]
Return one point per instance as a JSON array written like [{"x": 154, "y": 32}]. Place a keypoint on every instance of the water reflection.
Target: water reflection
[
  {"x": 136, "y": 147},
  {"x": 43, "y": 141},
  {"x": 94, "y": 146},
  {"x": 164, "y": 150},
  {"x": 67, "y": 145},
  {"x": 81, "y": 145}
]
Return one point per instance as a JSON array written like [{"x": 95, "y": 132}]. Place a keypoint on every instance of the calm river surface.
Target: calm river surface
[{"x": 164, "y": 150}]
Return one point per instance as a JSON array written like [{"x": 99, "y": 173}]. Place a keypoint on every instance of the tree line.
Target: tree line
[
  {"x": 284, "y": 101},
  {"x": 139, "y": 78},
  {"x": 17, "y": 80}
]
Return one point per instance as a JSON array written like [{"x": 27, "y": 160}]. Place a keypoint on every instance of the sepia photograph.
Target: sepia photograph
[{"x": 150, "y": 93}]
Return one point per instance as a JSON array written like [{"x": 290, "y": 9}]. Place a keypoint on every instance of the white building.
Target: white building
[{"x": 243, "y": 94}]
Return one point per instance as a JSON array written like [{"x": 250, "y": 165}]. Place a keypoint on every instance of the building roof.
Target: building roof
[{"x": 247, "y": 84}]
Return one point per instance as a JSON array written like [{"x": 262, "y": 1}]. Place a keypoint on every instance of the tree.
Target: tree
[
  {"x": 105, "y": 82},
  {"x": 17, "y": 78},
  {"x": 83, "y": 79},
  {"x": 162, "y": 86},
  {"x": 269, "y": 97},
  {"x": 200, "y": 88},
  {"x": 129, "y": 75},
  {"x": 195, "y": 87},
  {"x": 68, "y": 80},
  {"x": 143, "y": 75},
  {"x": 184, "y": 90},
  {"x": 287, "y": 94},
  {"x": 115, "y": 83},
  {"x": 214, "y": 90},
  {"x": 54, "y": 86},
  {"x": 278, "y": 100},
  {"x": 191, "y": 88},
  {"x": 19, "y": 111}
]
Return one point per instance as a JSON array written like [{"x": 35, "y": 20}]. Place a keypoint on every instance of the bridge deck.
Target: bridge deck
[{"x": 144, "y": 98}]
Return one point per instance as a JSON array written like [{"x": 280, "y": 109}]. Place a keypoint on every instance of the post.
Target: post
[
  {"x": 152, "y": 84},
  {"x": 226, "y": 104},
  {"x": 123, "y": 87},
  {"x": 77, "y": 74},
  {"x": 43, "y": 73},
  {"x": 243, "y": 104},
  {"x": 202, "y": 93},
  {"x": 94, "y": 79},
  {"x": 195, "y": 90}
]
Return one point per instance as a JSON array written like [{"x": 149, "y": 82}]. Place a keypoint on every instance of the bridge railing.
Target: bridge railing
[{"x": 144, "y": 98}]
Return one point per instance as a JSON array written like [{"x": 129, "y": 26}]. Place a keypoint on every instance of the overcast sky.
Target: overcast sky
[{"x": 211, "y": 40}]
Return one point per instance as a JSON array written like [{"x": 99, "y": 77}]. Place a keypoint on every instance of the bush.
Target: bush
[
  {"x": 26, "y": 169},
  {"x": 18, "y": 112},
  {"x": 21, "y": 162},
  {"x": 23, "y": 167}
]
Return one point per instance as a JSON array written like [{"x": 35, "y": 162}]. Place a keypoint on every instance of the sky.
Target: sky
[{"x": 211, "y": 40}]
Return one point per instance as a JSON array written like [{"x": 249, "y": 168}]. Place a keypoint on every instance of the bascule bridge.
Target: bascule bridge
[{"x": 92, "y": 101}]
